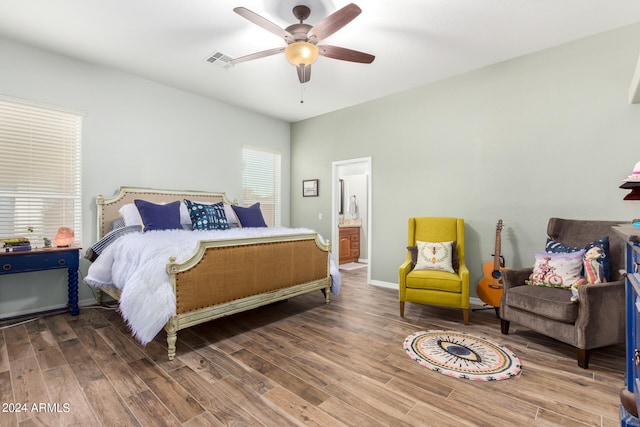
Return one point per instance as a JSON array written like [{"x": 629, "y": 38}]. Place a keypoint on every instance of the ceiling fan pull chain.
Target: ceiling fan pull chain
[{"x": 301, "y": 93}]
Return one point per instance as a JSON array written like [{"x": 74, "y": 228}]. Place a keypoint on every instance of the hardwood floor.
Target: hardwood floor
[{"x": 299, "y": 362}]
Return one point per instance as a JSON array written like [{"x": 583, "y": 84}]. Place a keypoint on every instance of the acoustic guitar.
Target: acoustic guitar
[{"x": 490, "y": 286}]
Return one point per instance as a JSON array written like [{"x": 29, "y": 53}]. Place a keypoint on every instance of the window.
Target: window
[
  {"x": 40, "y": 185},
  {"x": 261, "y": 182}
]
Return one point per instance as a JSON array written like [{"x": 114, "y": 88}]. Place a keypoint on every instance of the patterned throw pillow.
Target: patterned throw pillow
[
  {"x": 435, "y": 256},
  {"x": 455, "y": 262},
  {"x": 96, "y": 249},
  {"x": 557, "y": 270},
  {"x": 603, "y": 243},
  {"x": 207, "y": 217}
]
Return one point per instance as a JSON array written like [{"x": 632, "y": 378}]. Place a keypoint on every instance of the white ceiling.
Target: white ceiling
[{"x": 414, "y": 41}]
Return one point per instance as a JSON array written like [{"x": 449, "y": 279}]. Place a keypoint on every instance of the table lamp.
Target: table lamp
[{"x": 64, "y": 237}]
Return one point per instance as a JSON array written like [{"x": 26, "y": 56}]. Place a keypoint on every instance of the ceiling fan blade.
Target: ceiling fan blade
[
  {"x": 264, "y": 23},
  {"x": 344, "y": 54},
  {"x": 304, "y": 73},
  {"x": 257, "y": 55},
  {"x": 334, "y": 22}
]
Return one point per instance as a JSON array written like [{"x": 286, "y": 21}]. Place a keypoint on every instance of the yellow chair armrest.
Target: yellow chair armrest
[{"x": 404, "y": 269}]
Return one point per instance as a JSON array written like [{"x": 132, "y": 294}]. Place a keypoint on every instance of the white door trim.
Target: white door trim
[{"x": 335, "y": 245}]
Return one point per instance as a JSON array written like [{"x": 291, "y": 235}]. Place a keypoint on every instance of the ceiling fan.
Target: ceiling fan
[{"x": 302, "y": 39}]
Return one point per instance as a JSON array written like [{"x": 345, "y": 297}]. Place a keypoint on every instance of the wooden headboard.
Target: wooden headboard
[{"x": 108, "y": 207}]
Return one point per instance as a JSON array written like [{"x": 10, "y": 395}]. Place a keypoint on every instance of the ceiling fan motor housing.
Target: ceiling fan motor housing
[{"x": 299, "y": 31}]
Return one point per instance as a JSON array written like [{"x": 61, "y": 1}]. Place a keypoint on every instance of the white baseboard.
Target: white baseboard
[
  {"x": 40, "y": 310},
  {"x": 476, "y": 301},
  {"x": 383, "y": 284}
]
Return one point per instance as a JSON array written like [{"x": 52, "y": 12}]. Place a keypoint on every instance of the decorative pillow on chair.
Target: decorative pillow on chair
[
  {"x": 206, "y": 216},
  {"x": 603, "y": 243},
  {"x": 249, "y": 217},
  {"x": 455, "y": 262},
  {"x": 557, "y": 270},
  {"x": 435, "y": 256},
  {"x": 159, "y": 217}
]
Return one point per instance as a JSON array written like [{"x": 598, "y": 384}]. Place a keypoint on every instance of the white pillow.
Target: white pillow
[
  {"x": 232, "y": 219},
  {"x": 131, "y": 216},
  {"x": 435, "y": 256}
]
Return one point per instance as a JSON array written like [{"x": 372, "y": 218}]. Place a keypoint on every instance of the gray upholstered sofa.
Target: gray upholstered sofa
[{"x": 595, "y": 320}]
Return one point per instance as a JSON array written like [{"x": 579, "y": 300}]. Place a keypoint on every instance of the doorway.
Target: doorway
[{"x": 351, "y": 206}]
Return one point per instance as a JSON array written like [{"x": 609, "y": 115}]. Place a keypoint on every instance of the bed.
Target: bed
[{"x": 216, "y": 273}]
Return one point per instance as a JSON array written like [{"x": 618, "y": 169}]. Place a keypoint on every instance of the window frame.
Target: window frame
[
  {"x": 253, "y": 182},
  {"x": 42, "y": 188}
]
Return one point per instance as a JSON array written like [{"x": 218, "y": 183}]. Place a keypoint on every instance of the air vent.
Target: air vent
[{"x": 221, "y": 60}]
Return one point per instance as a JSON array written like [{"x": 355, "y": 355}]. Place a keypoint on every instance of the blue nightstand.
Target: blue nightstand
[{"x": 46, "y": 259}]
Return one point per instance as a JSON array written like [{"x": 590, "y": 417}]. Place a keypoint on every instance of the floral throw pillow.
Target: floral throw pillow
[
  {"x": 557, "y": 270},
  {"x": 435, "y": 256},
  {"x": 603, "y": 243}
]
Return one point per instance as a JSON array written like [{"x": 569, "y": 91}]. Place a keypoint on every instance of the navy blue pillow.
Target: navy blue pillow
[
  {"x": 159, "y": 217},
  {"x": 603, "y": 243},
  {"x": 207, "y": 217},
  {"x": 251, "y": 216}
]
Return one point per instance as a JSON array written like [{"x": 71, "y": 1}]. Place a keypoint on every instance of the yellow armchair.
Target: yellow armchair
[{"x": 433, "y": 286}]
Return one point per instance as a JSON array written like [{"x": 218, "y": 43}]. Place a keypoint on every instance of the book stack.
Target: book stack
[{"x": 15, "y": 244}]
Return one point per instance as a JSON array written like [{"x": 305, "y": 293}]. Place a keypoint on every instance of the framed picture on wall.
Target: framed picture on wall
[{"x": 310, "y": 188}]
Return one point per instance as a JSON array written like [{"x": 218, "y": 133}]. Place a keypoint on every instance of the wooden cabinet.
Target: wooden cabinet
[
  {"x": 629, "y": 402},
  {"x": 349, "y": 244}
]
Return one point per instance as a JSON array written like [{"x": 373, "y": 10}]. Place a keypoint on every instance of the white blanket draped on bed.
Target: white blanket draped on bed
[{"x": 147, "y": 300}]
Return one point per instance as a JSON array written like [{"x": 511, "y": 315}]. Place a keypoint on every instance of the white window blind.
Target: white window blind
[
  {"x": 261, "y": 182},
  {"x": 40, "y": 178}
]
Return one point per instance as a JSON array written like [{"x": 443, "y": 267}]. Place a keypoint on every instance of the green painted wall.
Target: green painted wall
[{"x": 547, "y": 134}]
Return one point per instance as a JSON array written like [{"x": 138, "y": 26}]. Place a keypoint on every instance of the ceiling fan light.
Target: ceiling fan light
[{"x": 301, "y": 53}]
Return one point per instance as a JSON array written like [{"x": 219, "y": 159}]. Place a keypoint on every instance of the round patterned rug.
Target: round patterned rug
[{"x": 461, "y": 355}]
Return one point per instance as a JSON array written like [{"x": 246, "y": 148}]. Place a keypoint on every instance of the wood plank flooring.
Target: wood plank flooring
[{"x": 294, "y": 363}]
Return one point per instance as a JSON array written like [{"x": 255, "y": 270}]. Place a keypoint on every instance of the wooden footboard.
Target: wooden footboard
[{"x": 225, "y": 277}]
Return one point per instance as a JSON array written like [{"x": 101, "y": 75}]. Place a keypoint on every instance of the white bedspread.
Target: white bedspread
[{"x": 147, "y": 301}]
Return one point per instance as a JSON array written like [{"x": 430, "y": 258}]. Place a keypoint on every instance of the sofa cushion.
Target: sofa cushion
[
  {"x": 552, "y": 303},
  {"x": 435, "y": 280}
]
